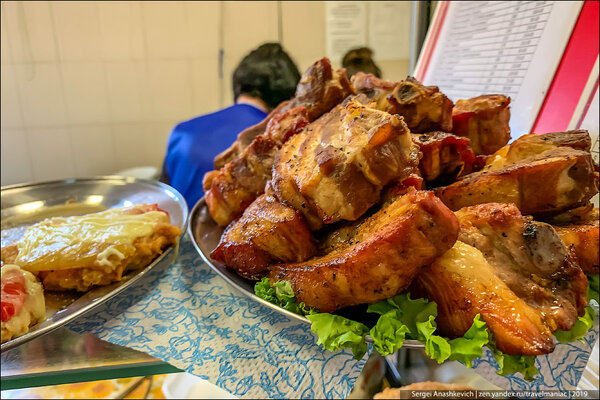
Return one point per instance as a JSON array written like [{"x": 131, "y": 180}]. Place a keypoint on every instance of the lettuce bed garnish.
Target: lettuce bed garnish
[{"x": 402, "y": 318}]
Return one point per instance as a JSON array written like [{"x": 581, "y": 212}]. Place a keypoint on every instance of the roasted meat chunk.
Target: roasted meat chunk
[
  {"x": 401, "y": 187},
  {"x": 549, "y": 182},
  {"x": 531, "y": 145},
  {"x": 484, "y": 120},
  {"x": 424, "y": 108},
  {"x": 513, "y": 271},
  {"x": 336, "y": 168},
  {"x": 321, "y": 88},
  {"x": 231, "y": 189},
  {"x": 268, "y": 232},
  {"x": 374, "y": 88},
  {"x": 379, "y": 260},
  {"x": 583, "y": 239},
  {"x": 246, "y": 137},
  {"x": 445, "y": 156}
]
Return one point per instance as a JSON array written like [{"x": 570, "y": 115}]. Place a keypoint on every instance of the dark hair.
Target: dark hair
[
  {"x": 267, "y": 73},
  {"x": 360, "y": 60}
]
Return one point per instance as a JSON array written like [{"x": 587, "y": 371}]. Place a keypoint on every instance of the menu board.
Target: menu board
[{"x": 511, "y": 48}]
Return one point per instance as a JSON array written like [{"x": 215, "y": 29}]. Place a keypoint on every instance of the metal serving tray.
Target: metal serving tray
[
  {"x": 26, "y": 204},
  {"x": 205, "y": 234}
]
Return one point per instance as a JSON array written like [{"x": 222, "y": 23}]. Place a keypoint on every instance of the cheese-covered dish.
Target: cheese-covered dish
[
  {"x": 94, "y": 249},
  {"x": 23, "y": 302}
]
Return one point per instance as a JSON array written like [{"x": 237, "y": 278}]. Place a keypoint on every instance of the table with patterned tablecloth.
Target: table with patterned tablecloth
[{"x": 191, "y": 318}]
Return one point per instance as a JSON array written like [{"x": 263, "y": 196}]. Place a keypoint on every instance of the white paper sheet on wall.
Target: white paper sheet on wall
[
  {"x": 388, "y": 21},
  {"x": 345, "y": 27},
  {"x": 383, "y": 26},
  {"x": 511, "y": 48}
]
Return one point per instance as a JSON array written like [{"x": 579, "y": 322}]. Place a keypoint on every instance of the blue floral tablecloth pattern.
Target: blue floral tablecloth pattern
[
  {"x": 559, "y": 370},
  {"x": 191, "y": 318}
]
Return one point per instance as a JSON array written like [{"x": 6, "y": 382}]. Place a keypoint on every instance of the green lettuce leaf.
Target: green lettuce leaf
[
  {"x": 264, "y": 290},
  {"x": 336, "y": 332},
  {"x": 470, "y": 347},
  {"x": 509, "y": 365},
  {"x": 593, "y": 288},
  {"x": 281, "y": 294},
  {"x": 402, "y": 318},
  {"x": 418, "y": 314},
  {"x": 579, "y": 329},
  {"x": 438, "y": 348},
  {"x": 382, "y": 307},
  {"x": 389, "y": 332},
  {"x": 405, "y": 318}
]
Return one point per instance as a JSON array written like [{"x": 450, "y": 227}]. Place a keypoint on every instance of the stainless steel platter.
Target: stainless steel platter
[
  {"x": 205, "y": 234},
  {"x": 26, "y": 204}
]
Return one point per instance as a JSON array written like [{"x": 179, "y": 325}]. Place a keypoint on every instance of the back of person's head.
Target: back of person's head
[
  {"x": 360, "y": 60},
  {"x": 268, "y": 73}
]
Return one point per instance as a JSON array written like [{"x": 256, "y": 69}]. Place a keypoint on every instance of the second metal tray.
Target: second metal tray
[{"x": 26, "y": 204}]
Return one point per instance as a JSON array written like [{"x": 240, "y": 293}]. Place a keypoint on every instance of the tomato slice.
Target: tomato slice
[
  {"x": 155, "y": 207},
  {"x": 13, "y": 295}
]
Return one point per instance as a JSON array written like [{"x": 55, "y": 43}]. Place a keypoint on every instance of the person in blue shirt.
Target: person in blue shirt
[{"x": 263, "y": 79}]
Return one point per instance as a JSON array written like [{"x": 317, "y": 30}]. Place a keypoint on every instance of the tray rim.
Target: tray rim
[
  {"x": 206, "y": 258},
  {"x": 163, "y": 260},
  {"x": 410, "y": 344}
]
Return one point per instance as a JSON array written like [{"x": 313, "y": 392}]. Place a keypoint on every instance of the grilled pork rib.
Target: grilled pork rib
[
  {"x": 244, "y": 168},
  {"x": 321, "y": 88},
  {"x": 541, "y": 175},
  {"x": 336, "y": 168},
  {"x": 379, "y": 260},
  {"x": 424, "y": 108},
  {"x": 245, "y": 137},
  {"x": 445, "y": 156},
  {"x": 234, "y": 187},
  {"x": 484, "y": 120},
  {"x": 268, "y": 232}
]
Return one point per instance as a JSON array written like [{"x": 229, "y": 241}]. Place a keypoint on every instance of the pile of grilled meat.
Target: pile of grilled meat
[{"x": 356, "y": 191}]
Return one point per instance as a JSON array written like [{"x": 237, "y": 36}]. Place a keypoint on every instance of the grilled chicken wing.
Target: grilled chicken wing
[
  {"x": 424, "y": 108},
  {"x": 464, "y": 284},
  {"x": 484, "y": 120},
  {"x": 582, "y": 238},
  {"x": 231, "y": 189},
  {"x": 379, "y": 260},
  {"x": 268, "y": 232},
  {"x": 549, "y": 182},
  {"x": 514, "y": 271},
  {"x": 336, "y": 168}
]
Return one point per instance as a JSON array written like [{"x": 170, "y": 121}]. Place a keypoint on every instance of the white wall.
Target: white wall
[{"x": 89, "y": 88}]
